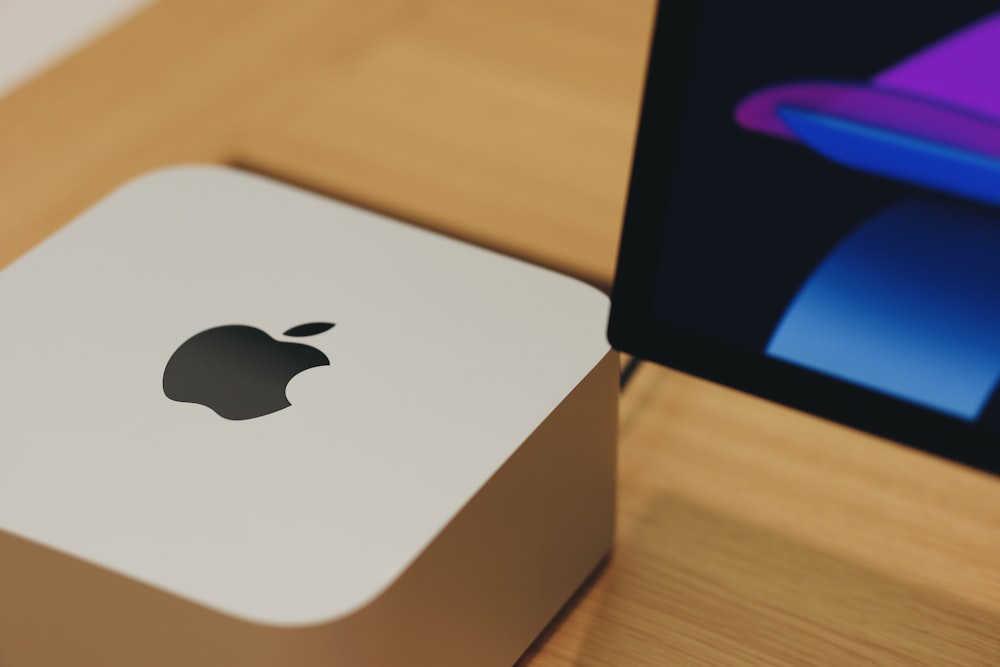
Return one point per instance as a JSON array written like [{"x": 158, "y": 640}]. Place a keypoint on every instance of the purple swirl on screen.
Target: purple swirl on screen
[{"x": 932, "y": 120}]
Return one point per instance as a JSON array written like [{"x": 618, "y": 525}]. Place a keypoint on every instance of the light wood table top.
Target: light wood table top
[{"x": 748, "y": 534}]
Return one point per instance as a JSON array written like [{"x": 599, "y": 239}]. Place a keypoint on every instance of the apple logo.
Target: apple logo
[{"x": 239, "y": 371}]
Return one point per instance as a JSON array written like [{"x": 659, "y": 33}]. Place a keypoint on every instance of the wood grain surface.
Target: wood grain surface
[{"x": 748, "y": 534}]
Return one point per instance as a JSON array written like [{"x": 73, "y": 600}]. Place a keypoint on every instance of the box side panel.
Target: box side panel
[
  {"x": 494, "y": 578},
  {"x": 58, "y": 611}
]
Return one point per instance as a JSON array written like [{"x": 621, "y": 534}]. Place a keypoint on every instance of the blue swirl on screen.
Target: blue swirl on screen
[
  {"x": 898, "y": 155},
  {"x": 908, "y": 304}
]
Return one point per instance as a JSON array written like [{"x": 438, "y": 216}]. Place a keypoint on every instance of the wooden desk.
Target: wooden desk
[{"x": 749, "y": 534}]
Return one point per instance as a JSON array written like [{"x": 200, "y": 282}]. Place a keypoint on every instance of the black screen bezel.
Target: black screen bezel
[{"x": 635, "y": 329}]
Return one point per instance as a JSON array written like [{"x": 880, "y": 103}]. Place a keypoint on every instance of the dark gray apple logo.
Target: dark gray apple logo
[{"x": 239, "y": 371}]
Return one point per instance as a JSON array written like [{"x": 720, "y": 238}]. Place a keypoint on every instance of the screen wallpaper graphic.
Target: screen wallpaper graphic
[
  {"x": 932, "y": 120},
  {"x": 859, "y": 234}
]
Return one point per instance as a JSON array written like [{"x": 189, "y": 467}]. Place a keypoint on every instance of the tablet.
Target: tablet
[{"x": 814, "y": 213}]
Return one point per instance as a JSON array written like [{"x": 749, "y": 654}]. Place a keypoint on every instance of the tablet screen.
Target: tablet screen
[{"x": 818, "y": 185}]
